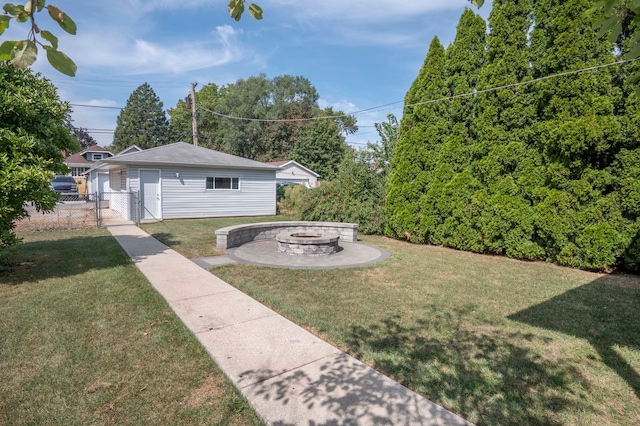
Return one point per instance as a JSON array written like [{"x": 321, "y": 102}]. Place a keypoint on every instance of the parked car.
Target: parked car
[{"x": 65, "y": 186}]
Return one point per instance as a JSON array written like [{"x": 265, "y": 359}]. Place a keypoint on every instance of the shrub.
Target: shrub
[{"x": 356, "y": 195}]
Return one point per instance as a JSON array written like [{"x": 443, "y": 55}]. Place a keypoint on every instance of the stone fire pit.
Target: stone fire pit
[{"x": 308, "y": 243}]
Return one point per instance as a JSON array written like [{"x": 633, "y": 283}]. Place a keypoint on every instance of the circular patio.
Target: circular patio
[{"x": 348, "y": 255}]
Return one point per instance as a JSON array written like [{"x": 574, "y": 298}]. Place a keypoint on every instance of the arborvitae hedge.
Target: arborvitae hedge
[
  {"x": 422, "y": 130},
  {"x": 548, "y": 170}
]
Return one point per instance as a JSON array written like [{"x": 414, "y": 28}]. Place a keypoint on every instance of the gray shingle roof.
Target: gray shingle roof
[{"x": 185, "y": 154}]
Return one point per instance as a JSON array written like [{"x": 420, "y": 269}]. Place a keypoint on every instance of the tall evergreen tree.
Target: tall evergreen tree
[
  {"x": 465, "y": 57},
  {"x": 578, "y": 137},
  {"x": 444, "y": 205},
  {"x": 421, "y": 131},
  {"x": 626, "y": 168},
  {"x": 502, "y": 159},
  {"x": 504, "y": 115},
  {"x": 142, "y": 121}
]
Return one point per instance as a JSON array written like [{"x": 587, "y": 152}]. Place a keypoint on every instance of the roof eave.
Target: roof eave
[{"x": 120, "y": 162}]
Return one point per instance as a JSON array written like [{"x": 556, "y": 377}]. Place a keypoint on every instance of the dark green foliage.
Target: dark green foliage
[
  {"x": 207, "y": 99},
  {"x": 548, "y": 170},
  {"x": 464, "y": 61},
  {"x": 421, "y": 131},
  {"x": 383, "y": 152},
  {"x": 355, "y": 195},
  {"x": 260, "y": 98},
  {"x": 277, "y": 122},
  {"x": 142, "y": 121},
  {"x": 34, "y": 130},
  {"x": 83, "y": 137},
  {"x": 320, "y": 145}
]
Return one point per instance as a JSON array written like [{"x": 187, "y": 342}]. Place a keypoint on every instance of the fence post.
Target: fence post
[
  {"x": 138, "y": 211},
  {"x": 97, "y": 208}
]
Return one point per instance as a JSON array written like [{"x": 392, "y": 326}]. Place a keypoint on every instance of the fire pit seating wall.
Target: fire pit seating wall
[{"x": 234, "y": 236}]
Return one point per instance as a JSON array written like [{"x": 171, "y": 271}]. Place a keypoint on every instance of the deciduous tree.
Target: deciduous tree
[
  {"x": 320, "y": 145},
  {"x": 34, "y": 130},
  {"x": 273, "y": 110},
  {"x": 207, "y": 102},
  {"x": 83, "y": 137}
]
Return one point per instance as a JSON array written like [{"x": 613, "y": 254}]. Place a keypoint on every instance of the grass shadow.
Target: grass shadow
[
  {"x": 483, "y": 373},
  {"x": 33, "y": 261},
  {"x": 605, "y": 312},
  {"x": 169, "y": 240},
  {"x": 339, "y": 390}
]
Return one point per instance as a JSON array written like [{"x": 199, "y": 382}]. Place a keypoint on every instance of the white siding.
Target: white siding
[
  {"x": 132, "y": 183},
  {"x": 187, "y": 196},
  {"x": 294, "y": 174},
  {"x": 119, "y": 199}
]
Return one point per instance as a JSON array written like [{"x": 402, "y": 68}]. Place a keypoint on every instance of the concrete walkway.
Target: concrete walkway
[{"x": 287, "y": 374}]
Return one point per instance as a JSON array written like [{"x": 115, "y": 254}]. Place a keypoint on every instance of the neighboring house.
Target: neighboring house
[
  {"x": 129, "y": 150},
  {"x": 292, "y": 172},
  {"x": 98, "y": 178},
  {"x": 82, "y": 162},
  {"x": 181, "y": 180}
]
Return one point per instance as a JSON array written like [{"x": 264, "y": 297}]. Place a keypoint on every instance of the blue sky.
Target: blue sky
[{"x": 358, "y": 54}]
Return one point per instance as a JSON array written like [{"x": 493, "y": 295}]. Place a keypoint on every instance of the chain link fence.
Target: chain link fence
[{"x": 84, "y": 211}]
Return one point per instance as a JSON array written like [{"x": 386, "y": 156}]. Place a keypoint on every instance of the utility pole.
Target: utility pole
[{"x": 194, "y": 123}]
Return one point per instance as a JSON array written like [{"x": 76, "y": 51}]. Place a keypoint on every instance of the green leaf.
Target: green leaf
[
  {"x": 255, "y": 11},
  {"x": 605, "y": 25},
  {"x": 632, "y": 79},
  {"x": 236, "y": 7},
  {"x": 39, "y": 5},
  {"x": 50, "y": 38},
  {"x": 5, "y": 50},
  {"x": 609, "y": 6},
  {"x": 61, "y": 62},
  {"x": 615, "y": 32},
  {"x": 634, "y": 52},
  {"x": 22, "y": 17},
  {"x": 4, "y": 23},
  {"x": 477, "y": 3},
  {"x": 12, "y": 9},
  {"x": 65, "y": 22},
  {"x": 24, "y": 54}
]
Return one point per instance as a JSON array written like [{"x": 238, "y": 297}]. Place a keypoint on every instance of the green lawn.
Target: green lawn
[
  {"x": 495, "y": 340},
  {"x": 85, "y": 339},
  {"x": 196, "y": 238}
]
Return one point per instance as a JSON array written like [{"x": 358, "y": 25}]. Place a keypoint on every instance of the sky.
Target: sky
[{"x": 359, "y": 54}]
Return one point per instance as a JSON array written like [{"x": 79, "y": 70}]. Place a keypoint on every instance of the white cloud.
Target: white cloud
[
  {"x": 341, "y": 105},
  {"x": 149, "y": 6},
  {"x": 362, "y": 10},
  {"x": 134, "y": 56}
]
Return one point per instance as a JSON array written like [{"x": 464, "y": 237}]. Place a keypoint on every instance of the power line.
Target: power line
[
  {"x": 380, "y": 107},
  {"x": 95, "y": 106},
  {"x": 522, "y": 83},
  {"x": 267, "y": 120}
]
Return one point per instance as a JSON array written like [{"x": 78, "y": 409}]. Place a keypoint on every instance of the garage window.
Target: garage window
[{"x": 223, "y": 183}]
